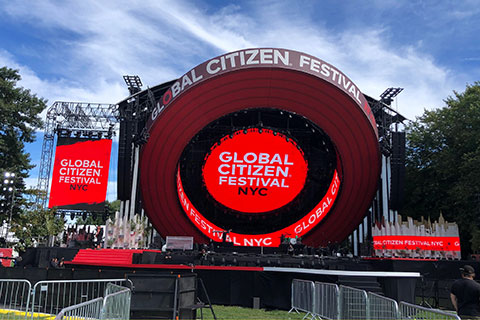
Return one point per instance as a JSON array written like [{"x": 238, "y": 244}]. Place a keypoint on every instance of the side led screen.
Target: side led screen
[{"x": 80, "y": 174}]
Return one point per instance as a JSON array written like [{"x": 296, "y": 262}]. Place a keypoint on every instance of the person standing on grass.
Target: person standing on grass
[{"x": 465, "y": 294}]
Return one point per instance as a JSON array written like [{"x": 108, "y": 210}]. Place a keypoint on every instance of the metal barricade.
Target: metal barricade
[
  {"x": 411, "y": 311},
  {"x": 380, "y": 307},
  {"x": 51, "y": 297},
  {"x": 14, "y": 297},
  {"x": 326, "y": 300},
  {"x": 112, "y": 288},
  {"x": 86, "y": 310},
  {"x": 303, "y": 296},
  {"x": 116, "y": 304},
  {"x": 353, "y": 303}
]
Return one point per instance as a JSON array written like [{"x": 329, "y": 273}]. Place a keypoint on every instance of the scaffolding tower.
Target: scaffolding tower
[{"x": 77, "y": 119}]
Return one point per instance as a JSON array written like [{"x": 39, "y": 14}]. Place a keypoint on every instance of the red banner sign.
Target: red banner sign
[
  {"x": 416, "y": 242},
  {"x": 256, "y": 170},
  {"x": 80, "y": 174},
  {"x": 6, "y": 253}
]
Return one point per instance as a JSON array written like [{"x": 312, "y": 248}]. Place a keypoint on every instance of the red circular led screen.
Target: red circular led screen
[
  {"x": 251, "y": 78},
  {"x": 255, "y": 171}
]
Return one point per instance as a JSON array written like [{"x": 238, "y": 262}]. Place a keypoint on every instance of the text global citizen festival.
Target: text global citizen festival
[{"x": 260, "y": 58}]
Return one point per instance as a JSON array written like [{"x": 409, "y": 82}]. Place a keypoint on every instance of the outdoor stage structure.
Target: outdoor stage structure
[{"x": 266, "y": 144}]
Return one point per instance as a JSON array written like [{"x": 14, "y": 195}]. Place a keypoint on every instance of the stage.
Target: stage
[{"x": 237, "y": 278}]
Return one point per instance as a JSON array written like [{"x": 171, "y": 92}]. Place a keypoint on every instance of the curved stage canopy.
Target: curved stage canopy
[{"x": 218, "y": 129}]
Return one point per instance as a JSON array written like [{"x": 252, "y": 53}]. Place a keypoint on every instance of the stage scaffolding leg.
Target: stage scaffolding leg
[{"x": 134, "y": 183}]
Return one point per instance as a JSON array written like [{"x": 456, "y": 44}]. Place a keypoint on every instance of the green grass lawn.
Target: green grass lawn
[
  {"x": 226, "y": 312},
  {"x": 222, "y": 313}
]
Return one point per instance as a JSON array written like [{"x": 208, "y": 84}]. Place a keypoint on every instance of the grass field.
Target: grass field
[
  {"x": 225, "y": 312},
  {"x": 222, "y": 313}
]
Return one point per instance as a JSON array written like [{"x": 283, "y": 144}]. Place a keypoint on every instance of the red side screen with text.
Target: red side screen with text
[{"x": 80, "y": 174}]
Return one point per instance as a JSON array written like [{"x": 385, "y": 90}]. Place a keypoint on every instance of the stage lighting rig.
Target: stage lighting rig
[
  {"x": 8, "y": 190},
  {"x": 111, "y": 131},
  {"x": 134, "y": 84},
  {"x": 388, "y": 95}
]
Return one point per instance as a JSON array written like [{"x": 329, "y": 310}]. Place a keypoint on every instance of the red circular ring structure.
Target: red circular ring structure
[{"x": 342, "y": 113}]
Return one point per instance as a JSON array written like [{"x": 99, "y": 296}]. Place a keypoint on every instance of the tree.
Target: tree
[
  {"x": 443, "y": 164},
  {"x": 19, "y": 118},
  {"x": 36, "y": 226}
]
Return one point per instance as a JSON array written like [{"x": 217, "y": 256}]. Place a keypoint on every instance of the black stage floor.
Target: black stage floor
[{"x": 234, "y": 278}]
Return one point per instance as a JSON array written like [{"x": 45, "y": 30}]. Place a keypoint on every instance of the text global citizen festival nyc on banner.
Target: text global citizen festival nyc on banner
[
  {"x": 255, "y": 171},
  {"x": 416, "y": 242},
  {"x": 80, "y": 172}
]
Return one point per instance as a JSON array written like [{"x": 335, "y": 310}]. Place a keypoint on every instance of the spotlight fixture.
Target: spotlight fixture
[
  {"x": 134, "y": 83},
  {"x": 388, "y": 95}
]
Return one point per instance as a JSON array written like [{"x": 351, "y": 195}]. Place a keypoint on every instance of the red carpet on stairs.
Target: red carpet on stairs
[
  {"x": 105, "y": 257},
  {"x": 123, "y": 258}
]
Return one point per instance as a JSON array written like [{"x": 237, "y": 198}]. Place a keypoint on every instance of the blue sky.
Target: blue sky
[{"x": 79, "y": 50}]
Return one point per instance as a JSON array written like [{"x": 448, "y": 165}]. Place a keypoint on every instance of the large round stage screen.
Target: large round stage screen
[
  {"x": 255, "y": 170},
  {"x": 265, "y": 143}
]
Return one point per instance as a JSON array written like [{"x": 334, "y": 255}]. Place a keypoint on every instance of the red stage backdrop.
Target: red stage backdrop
[
  {"x": 80, "y": 174},
  {"x": 258, "y": 178}
]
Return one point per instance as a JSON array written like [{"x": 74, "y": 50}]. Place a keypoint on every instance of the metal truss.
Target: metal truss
[
  {"x": 79, "y": 118},
  {"x": 386, "y": 118}
]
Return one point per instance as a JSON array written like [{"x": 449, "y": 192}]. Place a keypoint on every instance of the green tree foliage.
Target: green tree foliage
[
  {"x": 35, "y": 225},
  {"x": 19, "y": 118},
  {"x": 443, "y": 164}
]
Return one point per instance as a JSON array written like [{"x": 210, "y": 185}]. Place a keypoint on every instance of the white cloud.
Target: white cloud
[
  {"x": 64, "y": 89},
  {"x": 160, "y": 41}
]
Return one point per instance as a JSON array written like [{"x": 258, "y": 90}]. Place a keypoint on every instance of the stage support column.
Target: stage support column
[
  {"x": 385, "y": 183},
  {"x": 124, "y": 210},
  {"x": 134, "y": 183},
  {"x": 355, "y": 243}
]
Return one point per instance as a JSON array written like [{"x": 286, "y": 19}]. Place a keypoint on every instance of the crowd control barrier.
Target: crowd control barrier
[
  {"x": 52, "y": 296},
  {"x": 380, "y": 307},
  {"x": 411, "y": 311},
  {"x": 353, "y": 303},
  {"x": 116, "y": 303},
  {"x": 329, "y": 301},
  {"x": 14, "y": 297},
  {"x": 303, "y": 296},
  {"x": 326, "y": 300},
  {"x": 86, "y": 310}
]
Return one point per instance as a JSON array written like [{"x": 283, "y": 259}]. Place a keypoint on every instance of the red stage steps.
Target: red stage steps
[
  {"x": 123, "y": 258},
  {"x": 105, "y": 257}
]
